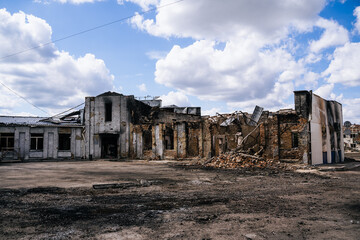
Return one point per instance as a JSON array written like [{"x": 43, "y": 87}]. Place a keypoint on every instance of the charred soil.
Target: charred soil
[{"x": 186, "y": 202}]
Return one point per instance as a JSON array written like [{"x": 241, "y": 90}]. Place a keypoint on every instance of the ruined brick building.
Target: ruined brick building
[
  {"x": 113, "y": 125},
  {"x": 351, "y": 136}
]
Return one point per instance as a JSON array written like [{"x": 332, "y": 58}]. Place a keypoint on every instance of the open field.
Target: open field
[{"x": 166, "y": 200}]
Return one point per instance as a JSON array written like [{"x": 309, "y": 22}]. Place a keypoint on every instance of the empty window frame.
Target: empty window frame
[
  {"x": 169, "y": 138},
  {"x": 64, "y": 141},
  {"x": 147, "y": 139},
  {"x": 6, "y": 141},
  {"x": 108, "y": 112},
  {"x": 295, "y": 140},
  {"x": 36, "y": 141}
]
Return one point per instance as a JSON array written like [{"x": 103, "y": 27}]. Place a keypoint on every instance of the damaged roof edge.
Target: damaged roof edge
[
  {"x": 312, "y": 93},
  {"x": 109, "y": 93},
  {"x": 35, "y": 121}
]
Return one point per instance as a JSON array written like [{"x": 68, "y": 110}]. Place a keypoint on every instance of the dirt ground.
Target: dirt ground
[{"x": 167, "y": 200}]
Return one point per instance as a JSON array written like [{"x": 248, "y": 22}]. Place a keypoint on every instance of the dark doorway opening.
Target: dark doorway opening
[
  {"x": 192, "y": 142},
  {"x": 109, "y": 145},
  {"x": 147, "y": 136},
  {"x": 169, "y": 138}
]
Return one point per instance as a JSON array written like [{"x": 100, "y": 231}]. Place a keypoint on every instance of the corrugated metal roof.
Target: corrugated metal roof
[{"x": 34, "y": 121}]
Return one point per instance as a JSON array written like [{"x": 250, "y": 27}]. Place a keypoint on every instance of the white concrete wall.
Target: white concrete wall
[
  {"x": 159, "y": 149},
  {"x": 322, "y": 113},
  {"x": 96, "y": 125},
  {"x": 22, "y": 140}
]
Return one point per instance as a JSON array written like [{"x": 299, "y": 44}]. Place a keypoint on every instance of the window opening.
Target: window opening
[
  {"x": 295, "y": 140},
  {"x": 36, "y": 141},
  {"x": 108, "y": 112},
  {"x": 6, "y": 141},
  {"x": 64, "y": 141},
  {"x": 169, "y": 138},
  {"x": 147, "y": 135}
]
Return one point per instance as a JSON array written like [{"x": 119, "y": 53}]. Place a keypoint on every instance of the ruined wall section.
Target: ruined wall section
[
  {"x": 174, "y": 135},
  {"x": 206, "y": 138},
  {"x": 335, "y": 122},
  {"x": 194, "y": 138},
  {"x": 230, "y": 132},
  {"x": 187, "y": 135},
  {"x": 286, "y": 137},
  {"x": 124, "y": 127},
  {"x": 118, "y": 124},
  {"x": 136, "y": 140},
  {"x": 169, "y": 117},
  {"x": 89, "y": 115},
  {"x": 294, "y": 138},
  {"x": 327, "y": 141},
  {"x": 159, "y": 145},
  {"x": 303, "y": 104},
  {"x": 181, "y": 140},
  {"x": 269, "y": 130},
  {"x": 283, "y": 135}
]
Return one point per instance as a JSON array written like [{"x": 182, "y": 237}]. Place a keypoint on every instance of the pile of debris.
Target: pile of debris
[{"x": 241, "y": 160}]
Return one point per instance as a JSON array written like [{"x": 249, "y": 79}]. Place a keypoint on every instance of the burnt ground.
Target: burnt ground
[{"x": 165, "y": 200}]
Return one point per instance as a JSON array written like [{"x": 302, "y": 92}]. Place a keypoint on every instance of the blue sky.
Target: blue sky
[{"x": 221, "y": 55}]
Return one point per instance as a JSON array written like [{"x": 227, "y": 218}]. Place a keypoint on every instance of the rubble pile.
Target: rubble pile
[{"x": 241, "y": 160}]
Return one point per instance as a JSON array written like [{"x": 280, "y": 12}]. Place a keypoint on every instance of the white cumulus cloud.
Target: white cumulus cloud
[
  {"x": 156, "y": 55},
  {"x": 256, "y": 62},
  {"x": 211, "y": 111},
  {"x": 344, "y": 67},
  {"x": 213, "y": 19},
  {"x": 325, "y": 91},
  {"x": 239, "y": 73},
  {"x": 357, "y": 22},
  {"x": 142, "y": 87},
  {"x": 351, "y": 110},
  {"x": 47, "y": 77},
  {"x": 333, "y": 35},
  {"x": 177, "y": 98}
]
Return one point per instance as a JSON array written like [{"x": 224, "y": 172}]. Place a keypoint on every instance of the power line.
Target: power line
[
  {"x": 24, "y": 98},
  {"x": 68, "y": 110},
  {"x": 73, "y": 35},
  {"x": 90, "y": 29}
]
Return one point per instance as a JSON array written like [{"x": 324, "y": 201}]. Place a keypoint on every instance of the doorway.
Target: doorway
[{"x": 109, "y": 145}]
